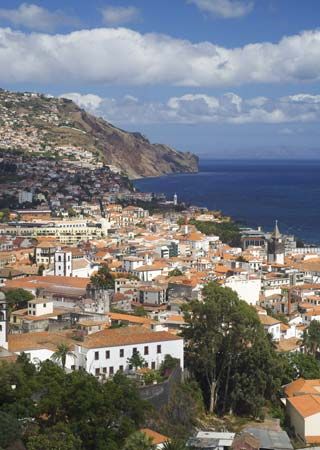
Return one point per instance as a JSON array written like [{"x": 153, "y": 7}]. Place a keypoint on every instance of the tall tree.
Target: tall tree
[
  {"x": 311, "y": 337},
  {"x": 229, "y": 353}
]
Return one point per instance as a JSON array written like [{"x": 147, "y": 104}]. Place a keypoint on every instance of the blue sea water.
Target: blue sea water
[{"x": 252, "y": 192}]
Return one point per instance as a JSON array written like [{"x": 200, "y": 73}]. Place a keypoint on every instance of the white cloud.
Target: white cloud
[
  {"x": 35, "y": 17},
  {"x": 119, "y": 15},
  {"x": 90, "y": 102},
  {"x": 202, "y": 108},
  {"x": 126, "y": 57},
  {"x": 227, "y": 9}
]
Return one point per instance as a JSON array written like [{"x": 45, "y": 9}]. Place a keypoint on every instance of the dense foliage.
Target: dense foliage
[
  {"x": 311, "y": 337},
  {"x": 229, "y": 353},
  {"x": 18, "y": 298},
  {"x": 227, "y": 231},
  {"x": 103, "y": 279},
  {"x": 301, "y": 365},
  {"x": 56, "y": 410}
]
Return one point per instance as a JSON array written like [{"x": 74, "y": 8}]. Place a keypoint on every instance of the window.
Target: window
[
  {"x": 153, "y": 365},
  {"x": 134, "y": 350},
  {"x": 121, "y": 368},
  {"x": 0, "y": 327},
  {"x": 73, "y": 367},
  {"x": 96, "y": 355},
  {"x": 107, "y": 354},
  {"x": 158, "y": 348},
  {"x": 146, "y": 350},
  {"x": 121, "y": 352},
  {"x": 111, "y": 370},
  {"x": 104, "y": 370},
  {"x": 44, "y": 305},
  {"x": 97, "y": 371}
]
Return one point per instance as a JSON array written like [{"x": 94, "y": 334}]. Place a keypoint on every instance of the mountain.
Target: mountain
[{"x": 43, "y": 124}]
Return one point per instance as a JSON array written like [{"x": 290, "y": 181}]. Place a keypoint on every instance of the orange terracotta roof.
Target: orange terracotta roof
[
  {"x": 126, "y": 336},
  {"x": 302, "y": 386},
  {"x": 288, "y": 345},
  {"x": 156, "y": 438},
  {"x": 312, "y": 439},
  {"x": 130, "y": 318},
  {"x": 34, "y": 282},
  {"x": 268, "y": 320},
  {"x": 38, "y": 340},
  {"x": 306, "y": 405}
]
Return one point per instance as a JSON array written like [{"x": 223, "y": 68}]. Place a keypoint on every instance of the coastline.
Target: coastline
[{"x": 253, "y": 194}]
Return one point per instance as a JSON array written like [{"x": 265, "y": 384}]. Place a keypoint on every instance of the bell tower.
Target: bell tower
[
  {"x": 3, "y": 322},
  {"x": 276, "y": 247}
]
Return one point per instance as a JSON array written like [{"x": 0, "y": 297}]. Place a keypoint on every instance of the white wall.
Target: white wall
[
  {"x": 312, "y": 425},
  {"x": 173, "y": 348},
  {"x": 247, "y": 290},
  {"x": 296, "y": 420}
]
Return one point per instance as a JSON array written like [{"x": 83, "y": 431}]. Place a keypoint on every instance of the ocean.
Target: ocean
[{"x": 252, "y": 192}]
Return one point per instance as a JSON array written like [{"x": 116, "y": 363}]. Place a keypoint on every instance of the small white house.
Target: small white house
[
  {"x": 271, "y": 326},
  {"x": 40, "y": 306},
  {"x": 304, "y": 414}
]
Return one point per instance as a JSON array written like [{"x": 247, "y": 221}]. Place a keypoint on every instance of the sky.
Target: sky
[{"x": 221, "y": 78}]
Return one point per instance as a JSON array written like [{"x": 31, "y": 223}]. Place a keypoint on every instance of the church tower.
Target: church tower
[
  {"x": 175, "y": 199},
  {"x": 3, "y": 322},
  {"x": 276, "y": 248},
  {"x": 62, "y": 263}
]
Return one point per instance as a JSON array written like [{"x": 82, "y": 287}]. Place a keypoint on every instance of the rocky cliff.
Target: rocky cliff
[{"x": 39, "y": 123}]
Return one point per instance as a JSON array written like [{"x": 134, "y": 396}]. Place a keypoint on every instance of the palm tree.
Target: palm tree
[
  {"x": 60, "y": 355},
  {"x": 174, "y": 445}
]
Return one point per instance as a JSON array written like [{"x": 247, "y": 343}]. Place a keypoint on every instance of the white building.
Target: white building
[
  {"x": 25, "y": 197},
  {"x": 247, "y": 288},
  {"x": 149, "y": 272},
  {"x": 3, "y": 321},
  {"x": 271, "y": 326},
  {"x": 39, "y": 307},
  {"x": 131, "y": 263},
  {"x": 304, "y": 414},
  {"x": 63, "y": 264},
  {"x": 106, "y": 352}
]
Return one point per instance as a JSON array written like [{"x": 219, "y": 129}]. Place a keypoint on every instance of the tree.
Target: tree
[
  {"x": 18, "y": 298},
  {"x": 175, "y": 273},
  {"x": 168, "y": 365},
  {"x": 301, "y": 365},
  {"x": 40, "y": 270},
  {"x": 228, "y": 232},
  {"x": 311, "y": 337},
  {"x": 58, "y": 437},
  {"x": 138, "y": 441},
  {"x": 9, "y": 429},
  {"x": 174, "y": 445},
  {"x": 229, "y": 354},
  {"x": 103, "y": 279},
  {"x": 136, "y": 360},
  {"x": 179, "y": 417},
  {"x": 60, "y": 355}
]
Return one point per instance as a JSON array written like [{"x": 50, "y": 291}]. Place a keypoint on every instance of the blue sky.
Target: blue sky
[{"x": 222, "y": 78}]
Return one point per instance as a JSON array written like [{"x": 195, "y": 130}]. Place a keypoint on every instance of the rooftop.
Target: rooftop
[{"x": 126, "y": 336}]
